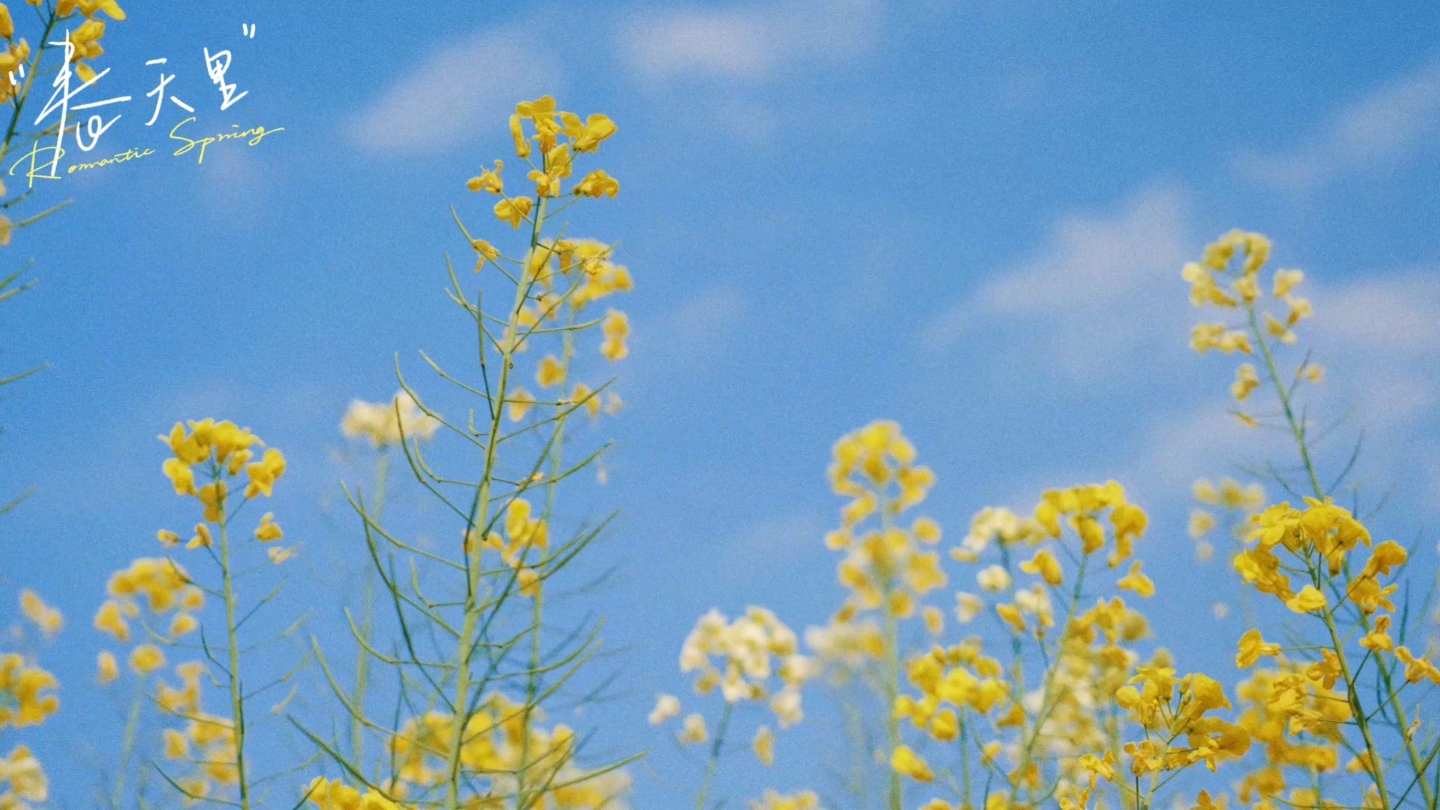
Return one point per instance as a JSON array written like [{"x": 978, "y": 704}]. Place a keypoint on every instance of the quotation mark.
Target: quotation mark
[
  {"x": 22, "y": 74},
  {"x": 248, "y": 30}
]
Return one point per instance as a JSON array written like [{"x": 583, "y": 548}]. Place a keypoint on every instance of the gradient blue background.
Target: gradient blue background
[{"x": 966, "y": 216}]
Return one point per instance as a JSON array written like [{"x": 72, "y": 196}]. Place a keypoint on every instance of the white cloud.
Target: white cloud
[
  {"x": 1392, "y": 122},
  {"x": 771, "y": 546},
  {"x": 750, "y": 41},
  {"x": 1379, "y": 337},
  {"x": 1094, "y": 293},
  {"x": 455, "y": 92}
]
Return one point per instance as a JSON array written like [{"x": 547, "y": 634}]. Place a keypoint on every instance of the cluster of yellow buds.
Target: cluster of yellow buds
[
  {"x": 165, "y": 587},
  {"x": 46, "y": 618},
  {"x": 500, "y": 739},
  {"x": 207, "y": 744},
  {"x": 558, "y": 137},
  {"x": 386, "y": 424},
  {"x": 889, "y": 566},
  {"x": 25, "y": 689},
  {"x": 523, "y": 532},
  {"x": 222, "y": 450},
  {"x": 1244, "y": 291},
  {"x": 23, "y": 780},
  {"x": 1324, "y": 528},
  {"x": 952, "y": 679},
  {"x": 1228, "y": 495},
  {"x": 332, "y": 794},
  {"x": 802, "y": 800},
  {"x": 1159, "y": 701},
  {"x": 751, "y": 650}
]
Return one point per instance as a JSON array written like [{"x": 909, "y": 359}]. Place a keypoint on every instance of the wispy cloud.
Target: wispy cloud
[
  {"x": 1385, "y": 126},
  {"x": 457, "y": 90},
  {"x": 1088, "y": 292},
  {"x": 750, "y": 41}
]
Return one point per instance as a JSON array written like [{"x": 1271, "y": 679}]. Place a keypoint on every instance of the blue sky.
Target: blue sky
[{"x": 967, "y": 216}]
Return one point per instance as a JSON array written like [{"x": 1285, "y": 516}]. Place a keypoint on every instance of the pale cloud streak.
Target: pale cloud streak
[
  {"x": 1391, "y": 123},
  {"x": 1089, "y": 292},
  {"x": 458, "y": 90},
  {"x": 751, "y": 41}
]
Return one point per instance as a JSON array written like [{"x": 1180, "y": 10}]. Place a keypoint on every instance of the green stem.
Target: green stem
[
  {"x": 713, "y": 764},
  {"x": 1375, "y": 764},
  {"x": 127, "y": 746},
  {"x": 237, "y": 706},
  {"x": 367, "y": 619},
  {"x": 473, "y": 609}
]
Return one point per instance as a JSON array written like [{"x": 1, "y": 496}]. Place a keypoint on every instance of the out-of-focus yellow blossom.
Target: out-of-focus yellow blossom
[
  {"x": 107, "y": 668},
  {"x": 1201, "y": 524},
  {"x": 384, "y": 424},
  {"x": 551, "y": 372},
  {"x": 46, "y": 618},
  {"x": 202, "y": 538},
  {"x": 667, "y": 707},
  {"x": 167, "y": 538},
  {"x": 616, "y": 327},
  {"x": 183, "y": 624},
  {"x": 212, "y": 497},
  {"x": 110, "y": 619},
  {"x": 1207, "y": 336},
  {"x": 1045, "y": 565},
  {"x": 279, "y": 555},
  {"x": 264, "y": 473},
  {"x": 1246, "y": 381},
  {"x": 1000, "y": 525},
  {"x": 1287, "y": 280},
  {"x": 163, "y": 582},
  {"x": 934, "y": 620},
  {"x": 519, "y": 403},
  {"x": 803, "y": 800},
  {"x": 764, "y": 746},
  {"x": 694, "y": 731},
  {"x": 846, "y": 644},
  {"x": 584, "y": 397},
  {"x": 25, "y": 699},
  {"x": 25, "y": 777},
  {"x": 741, "y": 658},
  {"x": 1136, "y": 581},
  {"x": 1279, "y": 330},
  {"x": 268, "y": 531},
  {"x": 908, "y": 763},
  {"x": 146, "y": 658},
  {"x": 994, "y": 578},
  {"x": 967, "y": 607}
]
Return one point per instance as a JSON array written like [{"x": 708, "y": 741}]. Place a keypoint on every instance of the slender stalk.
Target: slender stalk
[
  {"x": 1375, "y": 763},
  {"x": 367, "y": 618},
  {"x": 237, "y": 706},
  {"x": 713, "y": 763},
  {"x": 473, "y": 609},
  {"x": 127, "y": 745}
]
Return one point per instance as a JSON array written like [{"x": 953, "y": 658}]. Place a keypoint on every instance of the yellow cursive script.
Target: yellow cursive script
[{"x": 252, "y": 137}]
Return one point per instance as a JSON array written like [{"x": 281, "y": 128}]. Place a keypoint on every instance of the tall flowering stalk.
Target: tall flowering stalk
[
  {"x": 1361, "y": 659},
  {"x": 221, "y": 466},
  {"x": 475, "y": 667}
]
